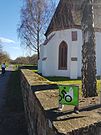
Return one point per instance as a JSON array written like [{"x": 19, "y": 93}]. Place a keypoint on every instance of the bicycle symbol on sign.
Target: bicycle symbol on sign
[{"x": 67, "y": 96}]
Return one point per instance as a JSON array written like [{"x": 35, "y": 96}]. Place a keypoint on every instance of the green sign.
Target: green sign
[{"x": 68, "y": 95}]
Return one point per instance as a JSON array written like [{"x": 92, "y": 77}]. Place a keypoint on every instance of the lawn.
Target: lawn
[{"x": 67, "y": 81}]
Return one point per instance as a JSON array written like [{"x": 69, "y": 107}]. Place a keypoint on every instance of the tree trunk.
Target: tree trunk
[{"x": 88, "y": 50}]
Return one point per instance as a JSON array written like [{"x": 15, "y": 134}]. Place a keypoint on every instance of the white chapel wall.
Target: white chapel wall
[
  {"x": 76, "y": 46},
  {"x": 40, "y": 60},
  {"x": 98, "y": 52},
  {"x": 51, "y": 51}
]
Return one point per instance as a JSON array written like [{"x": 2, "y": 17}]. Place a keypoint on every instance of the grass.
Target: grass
[
  {"x": 67, "y": 81},
  {"x": 36, "y": 71}
]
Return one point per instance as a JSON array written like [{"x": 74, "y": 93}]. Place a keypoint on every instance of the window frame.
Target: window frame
[
  {"x": 74, "y": 36},
  {"x": 63, "y": 56}
]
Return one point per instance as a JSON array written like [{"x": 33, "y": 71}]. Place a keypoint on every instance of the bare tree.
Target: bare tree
[
  {"x": 0, "y": 46},
  {"x": 1, "y": 55},
  {"x": 4, "y": 57},
  {"x": 35, "y": 16},
  {"x": 88, "y": 50}
]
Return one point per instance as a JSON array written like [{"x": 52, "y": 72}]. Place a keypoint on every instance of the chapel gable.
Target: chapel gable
[{"x": 68, "y": 15}]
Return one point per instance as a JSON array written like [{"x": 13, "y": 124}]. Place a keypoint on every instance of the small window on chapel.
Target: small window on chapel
[{"x": 74, "y": 35}]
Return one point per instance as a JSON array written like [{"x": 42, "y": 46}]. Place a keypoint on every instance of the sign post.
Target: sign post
[{"x": 69, "y": 95}]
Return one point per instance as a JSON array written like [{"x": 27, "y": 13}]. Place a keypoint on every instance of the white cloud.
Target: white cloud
[
  {"x": 6, "y": 40},
  {"x": 16, "y": 48}
]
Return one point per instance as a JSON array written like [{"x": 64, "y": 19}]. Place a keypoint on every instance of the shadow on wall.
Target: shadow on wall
[
  {"x": 44, "y": 87},
  {"x": 28, "y": 67}
]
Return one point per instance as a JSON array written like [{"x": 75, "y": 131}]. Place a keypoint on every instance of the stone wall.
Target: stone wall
[
  {"x": 38, "y": 124},
  {"x": 41, "y": 102}
]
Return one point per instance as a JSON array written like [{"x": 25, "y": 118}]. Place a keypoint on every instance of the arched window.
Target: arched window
[{"x": 63, "y": 48}]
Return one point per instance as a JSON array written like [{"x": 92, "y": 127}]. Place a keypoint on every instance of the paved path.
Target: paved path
[
  {"x": 11, "y": 123},
  {"x": 3, "y": 85}
]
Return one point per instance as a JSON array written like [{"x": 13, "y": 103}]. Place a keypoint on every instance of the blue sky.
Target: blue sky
[{"x": 9, "y": 20}]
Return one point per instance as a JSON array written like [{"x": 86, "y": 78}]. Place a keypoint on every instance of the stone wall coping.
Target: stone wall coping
[{"x": 64, "y": 121}]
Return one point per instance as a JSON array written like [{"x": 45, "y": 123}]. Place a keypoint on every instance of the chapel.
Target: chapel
[{"x": 61, "y": 52}]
